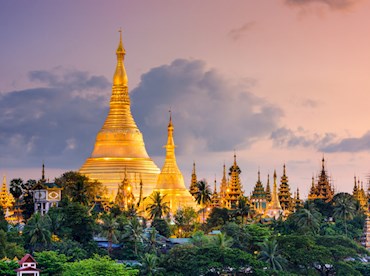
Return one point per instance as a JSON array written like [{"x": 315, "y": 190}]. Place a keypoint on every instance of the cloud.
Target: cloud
[
  {"x": 57, "y": 122},
  {"x": 237, "y": 33},
  {"x": 350, "y": 144},
  {"x": 210, "y": 113},
  {"x": 310, "y": 103},
  {"x": 284, "y": 137},
  {"x": 331, "y": 4}
]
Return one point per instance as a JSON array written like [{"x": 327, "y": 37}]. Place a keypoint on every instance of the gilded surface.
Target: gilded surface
[{"x": 119, "y": 145}]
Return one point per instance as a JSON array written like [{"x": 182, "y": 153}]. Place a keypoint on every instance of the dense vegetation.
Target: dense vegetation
[{"x": 318, "y": 239}]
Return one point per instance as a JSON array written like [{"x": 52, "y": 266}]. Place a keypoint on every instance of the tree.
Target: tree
[
  {"x": 3, "y": 222},
  {"x": 109, "y": 230},
  {"x": 37, "y": 232},
  {"x": 97, "y": 266},
  {"x": 344, "y": 208},
  {"x": 134, "y": 233},
  {"x": 50, "y": 262},
  {"x": 162, "y": 227},
  {"x": 244, "y": 208},
  {"x": 158, "y": 207},
  {"x": 184, "y": 220},
  {"x": 271, "y": 255},
  {"x": 149, "y": 264},
  {"x": 7, "y": 267},
  {"x": 307, "y": 220},
  {"x": 203, "y": 195},
  {"x": 78, "y": 187},
  {"x": 28, "y": 206},
  {"x": 16, "y": 190},
  {"x": 222, "y": 241}
]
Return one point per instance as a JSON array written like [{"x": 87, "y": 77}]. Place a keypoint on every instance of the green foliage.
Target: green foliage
[
  {"x": 203, "y": 195},
  {"x": 344, "y": 208},
  {"x": 158, "y": 206},
  {"x": 307, "y": 220},
  {"x": 271, "y": 255},
  {"x": 72, "y": 249},
  {"x": 37, "y": 232},
  {"x": 133, "y": 234},
  {"x": 185, "y": 220},
  {"x": 3, "y": 222},
  {"x": 7, "y": 268},
  {"x": 239, "y": 234},
  {"x": 76, "y": 220},
  {"x": 109, "y": 230},
  {"x": 50, "y": 262},
  {"x": 218, "y": 217},
  {"x": 97, "y": 266},
  {"x": 162, "y": 227},
  {"x": 257, "y": 234},
  {"x": 149, "y": 265},
  {"x": 79, "y": 188}
]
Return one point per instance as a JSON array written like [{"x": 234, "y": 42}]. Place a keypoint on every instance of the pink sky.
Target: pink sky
[{"x": 312, "y": 60}]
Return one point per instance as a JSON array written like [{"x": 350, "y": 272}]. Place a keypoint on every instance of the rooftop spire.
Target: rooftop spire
[
  {"x": 43, "y": 171},
  {"x": 284, "y": 171},
  {"x": 259, "y": 175},
  {"x": 120, "y": 77}
]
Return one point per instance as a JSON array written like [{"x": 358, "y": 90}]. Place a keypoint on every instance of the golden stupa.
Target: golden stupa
[
  {"x": 171, "y": 181},
  {"x": 119, "y": 145}
]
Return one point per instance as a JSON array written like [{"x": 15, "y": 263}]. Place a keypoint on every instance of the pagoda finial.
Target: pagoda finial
[
  {"x": 298, "y": 193},
  {"x": 170, "y": 122},
  {"x": 259, "y": 175},
  {"x": 193, "y": 167},
  {"x": 234, "y": 158},
  {"x": 43, "y": 171},
  {"x": 323, "y": 162},
  {"x": 284, "y": 171},
  {"x": 120, "y": 77},
  {"x": 215, "y": 187}
]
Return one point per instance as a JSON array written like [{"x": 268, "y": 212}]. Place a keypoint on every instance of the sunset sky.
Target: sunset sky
[{"x": 283, "y": 81}]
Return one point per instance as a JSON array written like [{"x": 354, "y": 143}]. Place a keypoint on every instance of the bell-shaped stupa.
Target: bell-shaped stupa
[
  {"x": 119, "y": 145},
  {"x": 171, "y": 181}
]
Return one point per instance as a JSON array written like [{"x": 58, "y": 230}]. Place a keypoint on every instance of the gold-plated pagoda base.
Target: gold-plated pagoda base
[
  {"x": 111, "y": 172},
  {"x": 178, "y": 198}
]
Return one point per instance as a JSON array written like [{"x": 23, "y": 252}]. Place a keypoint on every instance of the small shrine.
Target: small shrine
[{"x": 28, "y": 266}]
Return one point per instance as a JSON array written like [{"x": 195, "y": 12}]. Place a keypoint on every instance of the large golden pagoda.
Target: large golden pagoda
[
  {"x": 119, "y": 145},
  {"x": 171, "y": 181}
]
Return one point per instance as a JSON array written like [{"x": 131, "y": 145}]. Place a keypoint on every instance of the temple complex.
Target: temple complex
[
  {"x": 170, "y": 180},
  {"x": 234, "y": 188},
  {"x": 119, "y": 145},
  {"x": 285, "y": 196},
  {"x": 322, "y": 189},
  {"x": 258, "y": 197},
  {"x": 274, "y": 209}
]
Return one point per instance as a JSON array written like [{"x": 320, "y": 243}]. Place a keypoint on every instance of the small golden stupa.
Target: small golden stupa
[
  {"x": 119, "y": 145},
  {"x": 171, "y": 181}
]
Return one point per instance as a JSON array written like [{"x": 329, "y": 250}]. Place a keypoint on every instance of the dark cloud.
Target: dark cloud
[
  {"x": 237, "y": 33},
  {"x": 56, "y": 123},
  {"x": 284, "y": 137},
  {"x": 350, "y": 144},
  {"x": 209, "y": 112},
  {"x": 331, "y": 4}
]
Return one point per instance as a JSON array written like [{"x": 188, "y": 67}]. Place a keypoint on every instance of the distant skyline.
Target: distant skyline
[{"x": 277, "y": 81}]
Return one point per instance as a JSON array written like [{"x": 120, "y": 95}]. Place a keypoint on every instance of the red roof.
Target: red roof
[
  {"x": 27, "y": 259},
  {"x": 28, "y": 268}
]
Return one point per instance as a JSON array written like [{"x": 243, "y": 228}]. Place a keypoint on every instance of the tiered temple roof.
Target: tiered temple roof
[
  {"x": 234, "y": 188},
  {"x": 274, "y": 209},
  {"x": 258, "y": 197},
  {"x": 6, "y": 198},
  {"x": 268, "y": 190},
  {"x": 223, "y": 188},
  {"x": 285, "y": 196},
  {"x": 322, "y": 189},
  {"x": 193, "y": 183},
  {"x": 215, "y": 198}
]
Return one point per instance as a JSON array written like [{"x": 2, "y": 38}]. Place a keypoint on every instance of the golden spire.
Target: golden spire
[
  {"x": 215, "y": 187},
  {"x": 275, "y": 203},
  {"x": 259, "y": 175},
  {"x": 120, "y": 76},
  {"x": 120, "y": 143},
  {"x": 170, "y": 176},
  {"x": 284, "y": 170}
]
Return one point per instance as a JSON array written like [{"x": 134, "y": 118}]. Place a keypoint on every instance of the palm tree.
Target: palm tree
[
  {"x": 37, "y": 231},
  {"x": 134, "y": 232},
  {"x": 222, "y": 241},
  {"x": 271, "y": 255},
  {"x": 16, "y": 189},
  {"x": 149, "y": 264},
  {"x": 244, "y": 208},
  {"x": 203, "y": 195},
  {"x": 307, "y": 219},
  {"x": 158, "y": 207},
  {"x": 109, "y": 230},
  {"x": 344, "y": 208}
]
